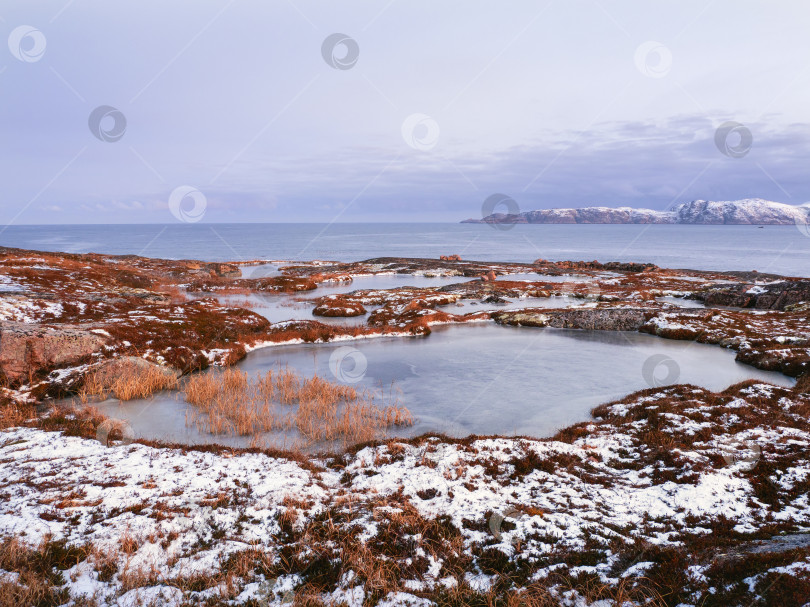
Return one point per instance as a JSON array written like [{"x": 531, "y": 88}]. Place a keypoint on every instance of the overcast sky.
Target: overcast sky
[{"x": 426, "y": 109}]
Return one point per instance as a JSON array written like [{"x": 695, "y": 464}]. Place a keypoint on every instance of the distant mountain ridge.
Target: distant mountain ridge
[{"x": 749, "y": 211}]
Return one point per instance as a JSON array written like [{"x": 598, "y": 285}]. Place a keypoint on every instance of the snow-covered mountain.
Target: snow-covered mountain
[{"x": 746, "y": 211}]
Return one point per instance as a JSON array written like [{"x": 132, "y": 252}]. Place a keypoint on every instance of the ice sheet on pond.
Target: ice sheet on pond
[{"x": 480, "y": 379}]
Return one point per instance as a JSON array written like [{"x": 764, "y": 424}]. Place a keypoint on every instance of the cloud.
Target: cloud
[{"x": 550, "y": 109}]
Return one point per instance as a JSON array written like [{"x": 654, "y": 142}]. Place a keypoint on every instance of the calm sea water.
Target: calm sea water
[{"x": 776, "y": 249}]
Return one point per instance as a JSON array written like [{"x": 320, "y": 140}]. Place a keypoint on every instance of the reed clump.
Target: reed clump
[
  {"x": 13, "y": 413},
  {"x": 126, "y": 382},
  {"x": 230, "y": 402}
]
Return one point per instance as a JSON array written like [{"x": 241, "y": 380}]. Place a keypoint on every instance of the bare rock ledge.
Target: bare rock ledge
[{"x": 28, "y": 349}]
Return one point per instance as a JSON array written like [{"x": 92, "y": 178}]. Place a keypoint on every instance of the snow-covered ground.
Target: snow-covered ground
[{"x": 664, "y": 470}]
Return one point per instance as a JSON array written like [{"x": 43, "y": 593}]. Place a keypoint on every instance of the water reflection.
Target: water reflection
[{"x": 478, "y": 379}]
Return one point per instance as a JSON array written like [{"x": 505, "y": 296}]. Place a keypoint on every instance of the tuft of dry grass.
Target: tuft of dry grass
[
  {"x": 229, "y": 402},
  {"x": 176, "y": 294},
  {"x": 13, "y": 413},
  {"x": 39, "y": 571},
  {"x": 131, "y": 383}
]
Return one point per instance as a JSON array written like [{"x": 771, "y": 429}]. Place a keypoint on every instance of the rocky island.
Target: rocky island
[
  {"x": 674, "y": 495},
  {"x": 750, "y": 211}
]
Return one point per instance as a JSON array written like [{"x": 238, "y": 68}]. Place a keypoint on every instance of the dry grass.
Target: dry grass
[
  {"x": 13, "y": 414},
  {"x": 39, "y": 570},
  {"x": 131, "y": 383},
  {"x": 230, "y": 402},
  {"x": 175, "y": 293}
]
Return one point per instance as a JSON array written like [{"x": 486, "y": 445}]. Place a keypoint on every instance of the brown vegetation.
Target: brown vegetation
[
  {"x": 13, "y": 413},
  {"x": 230, "y": 402},
  {"x": 130, "y": 382}
]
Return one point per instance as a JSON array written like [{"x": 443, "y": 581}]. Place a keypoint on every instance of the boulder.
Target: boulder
[
  {"x": 226, "y": 270},
  {"x": 29, "y": 349},
  {"x": 338, "y": 309},
  {"x": 790, "y": 295}
]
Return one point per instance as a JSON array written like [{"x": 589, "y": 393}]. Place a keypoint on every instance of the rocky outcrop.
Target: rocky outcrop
[
  {"x": 792, "y": 361},
  {"x": 227, "y": 270},
  {"x": 30, "y": 349},
  {"x": 338, "y": 308},
  {"x": 749, "y": 211},
  {"x": 150, "y": 297},
  {"x": 611, "y": 319},
  {"x": 610, "y": 266},
  {"x": 773, "y": 296}
]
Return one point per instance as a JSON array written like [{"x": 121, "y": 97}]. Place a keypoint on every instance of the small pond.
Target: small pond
[{"x": 478, "y": 379}]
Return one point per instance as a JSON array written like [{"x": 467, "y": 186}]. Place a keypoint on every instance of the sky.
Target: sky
[{"x": 394, "y": 110}]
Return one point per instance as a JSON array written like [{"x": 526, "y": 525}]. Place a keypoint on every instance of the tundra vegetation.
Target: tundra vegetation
[{"x": 668, "y": 496}]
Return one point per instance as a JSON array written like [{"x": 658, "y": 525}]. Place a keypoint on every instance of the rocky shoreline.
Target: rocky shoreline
[{"x": 669, "y": 496}]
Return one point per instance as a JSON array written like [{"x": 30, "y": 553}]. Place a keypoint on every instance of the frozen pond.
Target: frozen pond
[
  {"x": 369, "y": 281},
  {"x": 480, "y": 379},
  {"x": 278, "y": 307},
  {"x": 535, "y": 277},
  {"x": 388, "y": 281},
  {"x": 682, "y": 302}
]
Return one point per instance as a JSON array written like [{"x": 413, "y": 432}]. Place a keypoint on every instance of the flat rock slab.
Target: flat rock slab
[
  {"x": 31, "y": 348},
  {"x": 610, "y": 319},
  {"x": 774, "y": 296}
]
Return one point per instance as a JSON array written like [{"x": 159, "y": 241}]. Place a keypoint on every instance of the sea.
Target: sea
[{"x": 781, "y": 250}]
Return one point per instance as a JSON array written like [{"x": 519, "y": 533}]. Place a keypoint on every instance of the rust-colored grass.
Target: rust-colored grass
[
  {"x": 131, "y": 383},
  {"x": 175, "y": 293},
  {"x": 13, "y": 414},
  {"x": 230, "y": 402}
]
